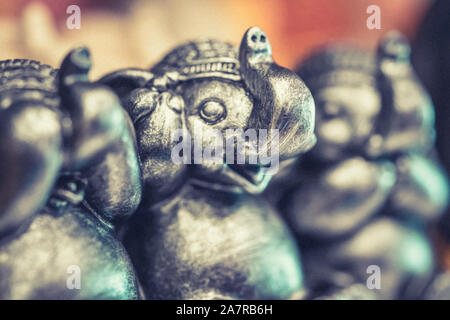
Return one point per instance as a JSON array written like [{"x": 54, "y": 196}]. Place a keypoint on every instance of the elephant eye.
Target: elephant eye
[{"x": 212, "y": 110}]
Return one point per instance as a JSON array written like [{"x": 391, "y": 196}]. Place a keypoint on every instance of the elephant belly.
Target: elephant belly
[
  {"x": 200, "y": 248},
  {"x": 70, "y": 256}
]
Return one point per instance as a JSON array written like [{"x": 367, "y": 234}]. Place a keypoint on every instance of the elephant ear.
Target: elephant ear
[
  {"x": 137, "y": 90},
  {"x": 282, "y": 100},
  {"x": 126, "y": 80}
]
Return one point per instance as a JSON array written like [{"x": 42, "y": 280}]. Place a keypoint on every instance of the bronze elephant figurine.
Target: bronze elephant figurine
[
  {"x": 54, "y": 124},
  {"x": 201, "y": 231}
]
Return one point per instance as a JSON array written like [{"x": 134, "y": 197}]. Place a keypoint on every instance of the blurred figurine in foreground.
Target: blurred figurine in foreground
[
  {"x": 360, "y": 201},
  {"x": 200, "y": 233},
  {"x": 54, "y": 242}
]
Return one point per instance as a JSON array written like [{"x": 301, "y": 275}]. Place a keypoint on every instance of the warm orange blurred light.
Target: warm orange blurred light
[
  {"x": 297, "y": 26},
  {"x": 294, "y": 27}
]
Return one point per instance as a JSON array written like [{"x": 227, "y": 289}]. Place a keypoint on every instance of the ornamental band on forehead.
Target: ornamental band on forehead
[
  {"x": 201, "y": 59},
  {"x": 28, "y": 79},
  {"x": 27, "y": 74},
  {"x": 340, "y": 78}
]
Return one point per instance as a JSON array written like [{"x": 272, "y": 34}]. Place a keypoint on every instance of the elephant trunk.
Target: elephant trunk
[
  {"x": 282, "y": 100},
  {"x": 96, "y": 119}
]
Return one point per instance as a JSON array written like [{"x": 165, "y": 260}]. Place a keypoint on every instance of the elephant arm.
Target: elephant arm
[
  {"x": 421, "y": 189},
  {"x": 340, "y": 199},
  {"x": 114, "y": 186}
]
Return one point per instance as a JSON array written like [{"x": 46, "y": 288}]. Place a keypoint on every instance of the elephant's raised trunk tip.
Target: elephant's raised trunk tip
[{"x": 255, "y": 48}]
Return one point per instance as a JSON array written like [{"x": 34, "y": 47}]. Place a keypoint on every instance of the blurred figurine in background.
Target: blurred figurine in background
[
  {"x": 53, "y": 125},
  {"x": 431, "y": 58},
  {"x": 360, "y": 201},
  {"x": 200, "y": 233}
]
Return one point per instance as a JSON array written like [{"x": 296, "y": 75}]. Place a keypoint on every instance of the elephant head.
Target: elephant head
[
  {"x": 343, "y": 82},
  {"x": 367, "y": 104},
  {"x": 212, "y": 92}
]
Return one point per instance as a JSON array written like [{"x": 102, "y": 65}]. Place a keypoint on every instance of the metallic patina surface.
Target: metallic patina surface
[
  {"x": 88, "y": 177},
  {"x": 199, "y": 232},
  {"x": 53, "y": 125}
]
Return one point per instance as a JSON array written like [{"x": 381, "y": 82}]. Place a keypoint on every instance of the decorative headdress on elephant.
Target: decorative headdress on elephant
[{"x": 205, "y": 86}]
